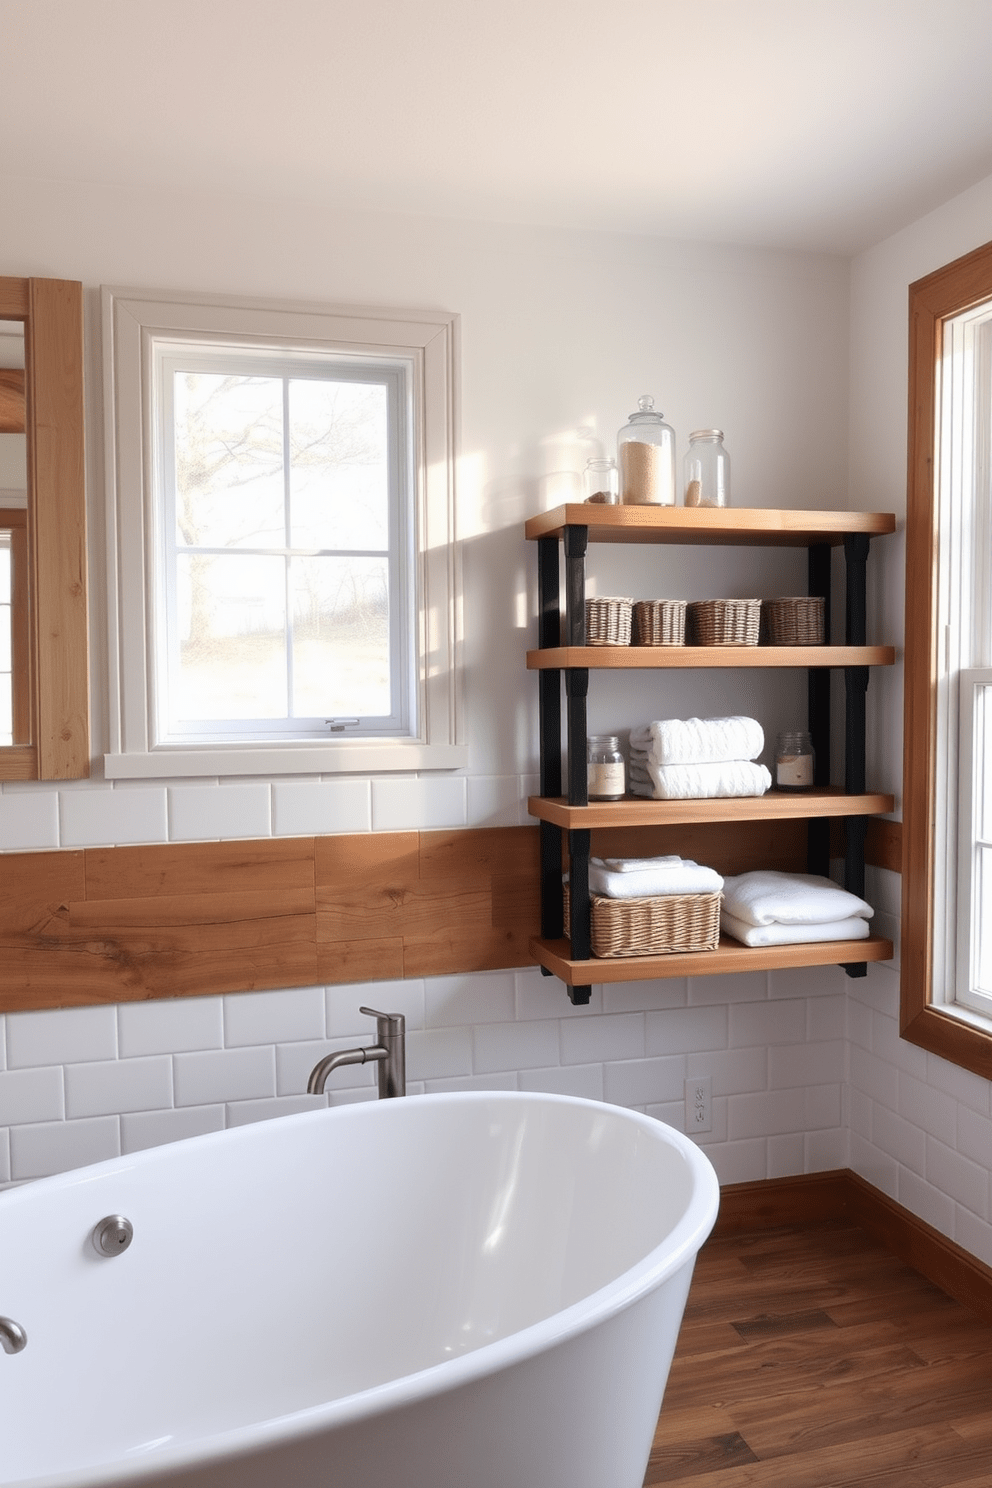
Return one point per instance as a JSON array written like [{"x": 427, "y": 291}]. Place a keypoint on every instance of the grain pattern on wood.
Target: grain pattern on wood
[
  {"x": 11, "y": 400},
  {"x": 253, "y": 865},
  {"x": 57, "y": 527},
  {"x": 758, "y": 526},
  {"x": 684, "y": 658},
  {"x": 864, "y": 1390},
  {"x": 187, "y": 919}
]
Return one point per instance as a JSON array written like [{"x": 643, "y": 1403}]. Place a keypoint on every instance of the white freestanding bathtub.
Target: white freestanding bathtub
[{"x": 451, "y": 1291}]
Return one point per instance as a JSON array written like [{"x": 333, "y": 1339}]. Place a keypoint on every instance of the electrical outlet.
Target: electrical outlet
[{"x": 699, "y": 1105}]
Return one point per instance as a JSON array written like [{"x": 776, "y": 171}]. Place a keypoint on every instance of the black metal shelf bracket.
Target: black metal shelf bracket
[
  {"x": 856, "y": 547},
  {"x": 549, "y": 704},
  {"x": 818, "y": 712}
]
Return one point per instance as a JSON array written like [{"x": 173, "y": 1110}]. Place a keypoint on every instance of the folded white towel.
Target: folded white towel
[
  {"x": 696, "y": 782},
  {"x": 639, "y": 865},
  {"x": 854, "y": 928},
  {"x": 767, "y": 897},
  {"x": 699, "y": 741},
  {"x": 657, "y": 876}
]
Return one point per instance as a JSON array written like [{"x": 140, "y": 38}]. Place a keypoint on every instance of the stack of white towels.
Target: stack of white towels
[
  {"x": 686, "y": 759},
  {"x": 768, "y": 908},
  {"x": 636, "y": 878}
]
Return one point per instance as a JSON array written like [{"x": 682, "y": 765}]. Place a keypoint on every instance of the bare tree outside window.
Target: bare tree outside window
[{"x": 281, "y": 547}]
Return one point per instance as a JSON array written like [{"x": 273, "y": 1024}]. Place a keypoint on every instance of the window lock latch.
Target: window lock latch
[{"x": 338, "y": 725}]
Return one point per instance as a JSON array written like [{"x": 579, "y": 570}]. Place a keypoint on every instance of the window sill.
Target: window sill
[
  {"x": 961, "y": 1037},
  {"x": 353, "y": 757}
]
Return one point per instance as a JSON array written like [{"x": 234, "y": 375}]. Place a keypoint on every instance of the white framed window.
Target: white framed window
[
  {"x": 282, "y": 556},
  {"x": 962, "y": 981}
]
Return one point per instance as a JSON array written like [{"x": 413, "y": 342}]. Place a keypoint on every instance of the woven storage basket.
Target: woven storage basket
[
  {"x": 794, "y": 622},
  {"x": 724, "y": 622},
  {"x": 659, "y": 622},
  {"x": 608, "y": 622},
  {"x": 659, "y": 925}
]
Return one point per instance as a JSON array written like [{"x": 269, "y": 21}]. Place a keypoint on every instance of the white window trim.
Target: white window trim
[
  {"x": 132, "y": 320},
  {"x": 964, "y": 480}
]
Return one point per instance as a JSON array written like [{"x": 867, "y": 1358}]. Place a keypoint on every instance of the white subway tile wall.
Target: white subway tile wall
[
  {"x": 91, "y": 1082},
  {"x": 808, "y": 1069}
]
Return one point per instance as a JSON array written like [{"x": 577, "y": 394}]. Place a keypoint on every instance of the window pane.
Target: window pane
[
  {"x": 229, "y": 461},
  {"x": 339, "y": 476},
  {"x": 232, "y": 637},
  {"x": 983, "y": 929},
  {"x": 983, "y": 776},
  {"x": 341, "y": 637}
]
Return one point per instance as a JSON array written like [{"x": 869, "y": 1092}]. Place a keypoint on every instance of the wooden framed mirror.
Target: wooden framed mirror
[{"x": 45, "y": 542}]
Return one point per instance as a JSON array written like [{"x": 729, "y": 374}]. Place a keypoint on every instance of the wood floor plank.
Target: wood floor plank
[{"x": 813, "y": 1358}]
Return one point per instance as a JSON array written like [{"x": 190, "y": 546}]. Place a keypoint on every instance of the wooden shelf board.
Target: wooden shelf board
[
  {"x": 632, "y": 658},
  {"x": 748, "y": 526},
  {"x": 730, "y": 957},
  {"x": 774, "y": 806}
]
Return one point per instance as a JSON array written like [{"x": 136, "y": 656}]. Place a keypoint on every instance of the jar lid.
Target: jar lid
[
  {"x": 645, "y": 410},
  {"x": 706, "y": 434}
]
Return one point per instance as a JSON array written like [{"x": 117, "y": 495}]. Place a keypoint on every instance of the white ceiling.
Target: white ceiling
[{"x": 816, "y": 124}]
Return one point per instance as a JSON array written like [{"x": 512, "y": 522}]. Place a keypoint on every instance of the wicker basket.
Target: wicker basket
[
  {"x": 724, "y": 622},
  {"x": 656, "y": 925},
  {"x": 608, "y": 622},
  {"x": 794, "y": 622},
  {"x": 659, "y": 622}
]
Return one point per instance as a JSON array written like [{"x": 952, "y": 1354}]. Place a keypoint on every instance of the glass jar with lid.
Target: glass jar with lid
[
  {"x": 646, "y": 453},
  {"x": 606, "y": 773},
  {"x": 602, "y": 481},
  {"x": 707, "y": 469},
  {"x": 795, "y": 762}
]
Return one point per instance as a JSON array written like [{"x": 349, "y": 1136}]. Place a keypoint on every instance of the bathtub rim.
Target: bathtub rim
[{"x": 678, "y": 1249}]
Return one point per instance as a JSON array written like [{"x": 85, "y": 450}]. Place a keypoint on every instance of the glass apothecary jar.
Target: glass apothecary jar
[
  {"x": 795, "y": 763},
  {"x": 646, "y": 455},
  {"x": 601, "y": 482},
  {"x": 607, "y": 776},
  {"x": 707, "y": 469}
]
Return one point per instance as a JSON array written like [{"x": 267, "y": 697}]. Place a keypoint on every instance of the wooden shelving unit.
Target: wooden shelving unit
[{"x": 562, "y": 656}]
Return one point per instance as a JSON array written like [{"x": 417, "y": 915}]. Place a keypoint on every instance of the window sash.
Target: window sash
[
  {"x": 964, "y": 497},
  {"x": 170, "y": 358},
  {"x": 974, "y": 879}
]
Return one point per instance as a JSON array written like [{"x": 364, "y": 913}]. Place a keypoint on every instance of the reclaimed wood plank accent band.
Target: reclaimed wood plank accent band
[{"x": 120, "y": 924}]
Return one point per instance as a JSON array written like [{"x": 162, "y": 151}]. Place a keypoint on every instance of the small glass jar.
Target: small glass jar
[
  {"x": 606, "y": 772},
  {"x": 795, "y": 763},
  {"x": 646, "y": 453},
  {"x": 707, "y": 469},
  {"x": 601, "y": 480}
]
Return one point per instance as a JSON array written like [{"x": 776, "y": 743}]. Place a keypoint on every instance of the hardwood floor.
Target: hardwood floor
[{"x": 810, "y": 1357}]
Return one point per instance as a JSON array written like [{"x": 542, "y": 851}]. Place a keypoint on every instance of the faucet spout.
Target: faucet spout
[
  {"x": 389, "y": 1052},
  {"x": 12, "y": 1336}
]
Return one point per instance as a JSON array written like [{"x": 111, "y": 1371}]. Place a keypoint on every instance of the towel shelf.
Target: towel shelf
[{"x": 562, "y": 655}]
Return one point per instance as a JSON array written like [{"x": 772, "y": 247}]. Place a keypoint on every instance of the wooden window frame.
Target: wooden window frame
[
  {"x": 57, "y": 644},
  {"x": 939, "y": 297}
]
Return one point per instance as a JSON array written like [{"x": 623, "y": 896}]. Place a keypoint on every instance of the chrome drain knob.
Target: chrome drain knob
[{"x": 113, "y": 1235}]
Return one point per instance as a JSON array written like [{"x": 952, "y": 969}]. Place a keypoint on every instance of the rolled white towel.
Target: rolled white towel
[
  {"x": 854, "y": 928},
  {"x": 656, "y": 877},
  {"x": 699, "y": 741},
  {"x": 697, "y": 782},
  {"x": 768, "y": 897}
]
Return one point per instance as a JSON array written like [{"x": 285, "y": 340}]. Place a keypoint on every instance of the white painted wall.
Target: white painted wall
[
  {"x": 919, "y": 1127},
  {"x": 560, "y": 330}
]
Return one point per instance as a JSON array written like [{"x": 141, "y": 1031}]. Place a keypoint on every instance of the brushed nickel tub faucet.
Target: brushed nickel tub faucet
[
  {"x": 389, "y": 1052},
  {"x": 12, "y": 1336}
]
